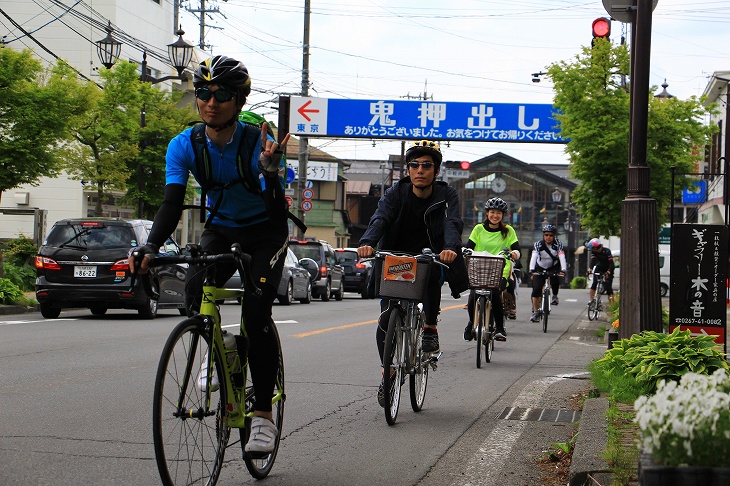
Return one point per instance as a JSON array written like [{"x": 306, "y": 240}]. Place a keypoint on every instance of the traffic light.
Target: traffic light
[
  {"x": 601, "y": 28},
  {"x": 464, "y": 164}
]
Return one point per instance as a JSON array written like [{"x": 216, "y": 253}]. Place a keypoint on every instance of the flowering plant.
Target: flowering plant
[
  {"x": 687, "y": 423},
  {"x": 614, "y": 325}
]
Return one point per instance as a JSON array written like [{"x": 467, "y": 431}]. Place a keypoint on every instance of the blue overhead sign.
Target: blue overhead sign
[
  {"x": 414, "y": 119},
  {"x": 695, "y": 193}
]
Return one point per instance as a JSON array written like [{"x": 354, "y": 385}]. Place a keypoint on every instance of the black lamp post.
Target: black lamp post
[
  {"x": 557, "y": 197},
  {"x": 180, "y": 54}
]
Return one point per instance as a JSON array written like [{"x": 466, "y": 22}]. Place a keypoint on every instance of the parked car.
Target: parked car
[
  {"x": 663, "y": 271},
  {"x": 328, "y": 278},
  {"x": 84, "y": 263},
  {"x": 295, "y": 284},
  {"x": 357, "y": 273}
]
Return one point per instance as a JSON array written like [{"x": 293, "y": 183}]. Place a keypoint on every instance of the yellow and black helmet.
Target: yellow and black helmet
[
  {"x": 425, "y": 147},
  {"x": 225, "y": 71}
]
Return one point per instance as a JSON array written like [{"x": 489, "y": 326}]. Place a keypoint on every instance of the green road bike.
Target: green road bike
[
  {"x": 203, "y": 387},
  {"x": 403, "y": 354}
]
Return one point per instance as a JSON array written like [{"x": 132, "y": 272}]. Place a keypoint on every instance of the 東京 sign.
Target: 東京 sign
[{"x": 413, "y": 119}]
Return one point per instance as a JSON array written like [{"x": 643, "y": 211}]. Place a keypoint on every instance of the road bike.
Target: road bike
[
  {"x": 595, "y": 306},
  {"x": 545, "y": 306},
  {"x": 485, "y": 278},
  {"x": 403, "y": 282},
  {"x": 203, "y": 388}
]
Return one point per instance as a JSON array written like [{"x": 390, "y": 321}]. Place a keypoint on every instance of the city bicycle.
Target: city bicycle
[
  {"x": 203, "y": 387},
  {"x": 595, "y": 306},
  {"x": 545, "y": 305},
  {"x": 485, "y": 276},
  {"x": 403, "y": 282}
]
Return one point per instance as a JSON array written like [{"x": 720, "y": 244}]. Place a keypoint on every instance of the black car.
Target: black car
[
  {"x": 328, "y": 278},
  {"x": 357, "y": 272},
  {"x": 84, "y": 263}
]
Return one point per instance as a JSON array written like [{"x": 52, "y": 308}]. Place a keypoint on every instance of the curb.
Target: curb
[
  {"x": 588, "y": 466},
  {"x": 17, "y": 309}
]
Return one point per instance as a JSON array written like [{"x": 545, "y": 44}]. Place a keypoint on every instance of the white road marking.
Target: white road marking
[
  {"x": 496, "y": 448},
  {"x": 46, "y": 321}
]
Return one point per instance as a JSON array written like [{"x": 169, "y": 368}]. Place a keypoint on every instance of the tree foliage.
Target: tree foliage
[
  {"x": 37, "y": 106},
  {"x": 113, "y": 151},
  {"x": 592, "y": 96}
]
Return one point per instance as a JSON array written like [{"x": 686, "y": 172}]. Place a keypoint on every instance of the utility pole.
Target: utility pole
[
  {"x": 640, "y": 303},
  {"x": 202, "y": 11},
  {"x": 304, "y": 141}
]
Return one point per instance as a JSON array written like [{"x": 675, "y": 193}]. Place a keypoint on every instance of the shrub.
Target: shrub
[
  {"x": 9, "y": 292},
  {"x": 578, "y": 283},
  {"x": 634, "y": 366},
  {"x": 22, "y": 276},
  {"x": 20, "y": 251}
]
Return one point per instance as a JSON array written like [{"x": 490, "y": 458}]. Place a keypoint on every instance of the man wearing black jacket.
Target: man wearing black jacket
[{"x": 419, "y": 212}]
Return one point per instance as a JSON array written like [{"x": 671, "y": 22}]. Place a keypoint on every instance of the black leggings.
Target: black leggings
[
  {"x": 539, "y": 280},
  {"x": 266, "y": 243}
]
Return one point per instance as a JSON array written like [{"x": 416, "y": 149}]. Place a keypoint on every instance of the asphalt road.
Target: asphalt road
[{"x": 76, "y": 398}]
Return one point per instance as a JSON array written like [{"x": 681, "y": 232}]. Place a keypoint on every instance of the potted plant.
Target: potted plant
[{"x": 685, "y": 431}]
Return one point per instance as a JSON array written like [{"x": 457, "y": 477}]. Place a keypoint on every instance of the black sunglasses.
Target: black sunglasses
[
  {"x": 221, "y": 96},
  {"x": 425, "y": 165}
]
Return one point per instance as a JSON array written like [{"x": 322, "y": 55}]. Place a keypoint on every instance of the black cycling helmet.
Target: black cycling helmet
[
  {"x": 549, "y": 228},
  {"x": 496, "y": 203},
  {"x": 225, "y": 71},
  {"x": 425, "y": 147}
]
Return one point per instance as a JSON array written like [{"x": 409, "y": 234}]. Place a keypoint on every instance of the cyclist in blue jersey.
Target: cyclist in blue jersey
[{"x": 254, "y": 217}]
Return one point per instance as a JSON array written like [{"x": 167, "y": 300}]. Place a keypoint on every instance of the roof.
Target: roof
[{"x": 357, "y": 187}]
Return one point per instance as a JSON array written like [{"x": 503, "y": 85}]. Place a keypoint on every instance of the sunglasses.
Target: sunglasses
[
  {"x": 416, "y": 165},
  {"x": 221, "y": 96}
]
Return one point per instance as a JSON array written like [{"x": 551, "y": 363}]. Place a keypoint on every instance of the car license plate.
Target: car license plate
[{"x": 84, "y": 271}]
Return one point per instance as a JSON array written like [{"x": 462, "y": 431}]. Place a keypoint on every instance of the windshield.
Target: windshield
[
  {"x": 302, "y": 251},
  {"x": 91, "y": 238},
  {"x": 345, "y": 257}
]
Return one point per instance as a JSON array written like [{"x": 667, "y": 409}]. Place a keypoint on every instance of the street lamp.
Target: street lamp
[
  {"x": 180, "y": 54},
  {"x": 557, "y": 197}
]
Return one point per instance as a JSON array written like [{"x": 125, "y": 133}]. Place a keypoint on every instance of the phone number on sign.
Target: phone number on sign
[{"x": 698, "y": 322}]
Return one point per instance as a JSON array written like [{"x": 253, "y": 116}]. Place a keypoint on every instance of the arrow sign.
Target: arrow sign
[{"x": 303, "y": 110}]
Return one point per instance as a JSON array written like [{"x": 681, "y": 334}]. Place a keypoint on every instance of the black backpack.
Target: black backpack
[{"x": 246, "y": 177}]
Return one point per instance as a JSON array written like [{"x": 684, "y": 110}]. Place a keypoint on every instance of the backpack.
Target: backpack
[{"x": 246, "y": 177}]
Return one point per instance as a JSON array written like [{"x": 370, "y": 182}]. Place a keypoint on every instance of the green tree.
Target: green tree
[
  {"x": 37, "y": 106},
  {"x": 592, "y": 95},
  {"x": 113, "y": 151}
]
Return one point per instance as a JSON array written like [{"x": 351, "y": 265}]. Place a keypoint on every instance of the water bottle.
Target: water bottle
[{"x": 229, "y": 341}]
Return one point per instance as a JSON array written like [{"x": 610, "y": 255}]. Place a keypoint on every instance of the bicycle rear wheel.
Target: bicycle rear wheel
[
  {"x": 260, "y": 465},
  {"x": 418, "y": 380},
  {"x": 189, "y": 433},
  {"x": 480, "y": 328},
  {"x": 545, "y": 308},
  {"x": 393, "y": 366}
]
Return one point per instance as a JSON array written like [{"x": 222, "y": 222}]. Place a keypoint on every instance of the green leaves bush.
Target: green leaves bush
[
  {"x": 9, "y": 292},
  {"x": 634, "y": 366},
  {"x": 22, "y": 276},
  {"x": 578, "y": 283}
]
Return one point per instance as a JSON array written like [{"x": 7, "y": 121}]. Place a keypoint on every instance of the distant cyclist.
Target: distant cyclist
[
  {"x": 602, "y": 260},
  {"x": 547, "y": 255},
  {"x": 492, "y": 235}
]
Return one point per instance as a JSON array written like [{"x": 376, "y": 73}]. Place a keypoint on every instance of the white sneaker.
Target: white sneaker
[
  {"x": 203, "y": 377},
  {"x": 263, "y": 436}
]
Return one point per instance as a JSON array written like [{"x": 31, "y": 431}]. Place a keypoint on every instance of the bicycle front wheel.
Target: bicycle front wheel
[
  {"x": 259, "y": 466},
  {"x": 481, "y": 328},
  {"x": 489, "y": 331},
  {"x": 393, "y": 366},
  {"x": 418, "y": 380},
  {"x": 545, "y": 309},
  {"x": 189, "y": 423},
  {"x": 593, "y": 309}
]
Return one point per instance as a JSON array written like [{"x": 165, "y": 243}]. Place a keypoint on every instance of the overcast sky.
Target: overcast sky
[{"x": 471, "y": 50}]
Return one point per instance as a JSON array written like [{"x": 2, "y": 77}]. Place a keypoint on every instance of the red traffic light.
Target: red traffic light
[
  {"x": 601, "y": 27},
  {"x": 464, "y": 164}
]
